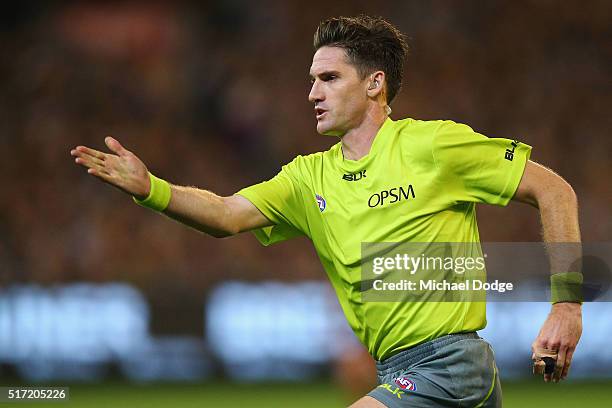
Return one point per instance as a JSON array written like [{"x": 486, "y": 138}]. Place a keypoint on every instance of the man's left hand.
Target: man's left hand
[{"x": 558, "y": 337}]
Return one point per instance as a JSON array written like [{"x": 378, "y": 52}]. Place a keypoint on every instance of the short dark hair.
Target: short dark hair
[{"x": 371, "y": 43}]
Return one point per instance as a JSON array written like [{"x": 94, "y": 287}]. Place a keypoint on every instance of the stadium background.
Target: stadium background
[{"x": 130, "y": 309}]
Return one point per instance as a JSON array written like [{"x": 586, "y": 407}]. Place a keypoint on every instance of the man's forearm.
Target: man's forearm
[
  {"x": 559, "y": 213},
  {"x": 560, "y": 229},
  {"x": 558, "y": 206},
  {"x": 201, "y": 210}
]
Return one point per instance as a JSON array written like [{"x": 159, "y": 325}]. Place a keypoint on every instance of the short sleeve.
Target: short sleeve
[
  {"x": 476, "y": 168},
  {"x": 280, "y": 200}
]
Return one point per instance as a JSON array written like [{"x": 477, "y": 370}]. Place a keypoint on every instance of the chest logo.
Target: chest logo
[
  {"x": 354, "y": 176},
  {"x": 321, "y": 202},
  {"x": 391, "y": 196}
]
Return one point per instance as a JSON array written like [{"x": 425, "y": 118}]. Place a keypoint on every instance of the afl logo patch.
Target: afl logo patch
[
  {"x": 321, "y": 202},
  {"x": 405, "y": 384}
]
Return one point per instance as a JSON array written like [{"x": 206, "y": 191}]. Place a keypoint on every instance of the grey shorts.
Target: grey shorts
[{"x": 457, "y": 370}]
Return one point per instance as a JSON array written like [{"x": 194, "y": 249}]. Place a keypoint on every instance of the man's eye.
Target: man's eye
[{"x": 324, "y": 78}]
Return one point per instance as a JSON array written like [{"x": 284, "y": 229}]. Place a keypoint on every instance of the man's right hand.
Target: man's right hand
[
  {"x": 123, "y": 169},
  {"x": 200, "y": 209}
]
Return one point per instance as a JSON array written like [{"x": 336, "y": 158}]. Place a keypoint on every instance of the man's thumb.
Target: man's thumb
[{"x": 114, "y": 145}]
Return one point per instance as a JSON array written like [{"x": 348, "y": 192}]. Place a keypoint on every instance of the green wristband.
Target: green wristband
[
  {"x": 159, "y": 195},
  {"x": 566, "y": 287}
]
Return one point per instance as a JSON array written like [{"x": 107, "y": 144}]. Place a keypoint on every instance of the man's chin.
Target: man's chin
[{"x": 326, "y": 130}]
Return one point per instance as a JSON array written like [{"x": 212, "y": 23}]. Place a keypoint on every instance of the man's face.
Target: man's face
[{"x": 338, "y": 92}]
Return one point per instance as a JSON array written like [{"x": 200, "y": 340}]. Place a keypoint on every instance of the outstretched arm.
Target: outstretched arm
[
  {"x": 200, "y": 209},
  {"x": 558, "y": 206}
]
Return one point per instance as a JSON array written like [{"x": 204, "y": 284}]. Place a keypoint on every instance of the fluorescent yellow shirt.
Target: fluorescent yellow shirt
[{"x": 419, "y": 183}]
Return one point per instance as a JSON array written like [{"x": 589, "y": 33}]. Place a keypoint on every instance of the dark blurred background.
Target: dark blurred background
[{"x": 215, "y": 95}]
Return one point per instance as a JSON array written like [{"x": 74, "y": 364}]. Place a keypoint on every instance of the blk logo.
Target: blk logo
[
  {"x": 510, "y": 150},
  {"x": 354, "y": 176}
]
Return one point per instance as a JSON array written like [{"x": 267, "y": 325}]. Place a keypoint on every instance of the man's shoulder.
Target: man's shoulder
[
  {"x": 416, "y": 136},
  {"x": 424, "y": 127},
  {"x": 428, "y": 133},
  {"x": 303, "y": 166},
  {"x": 310, "y": 160}
]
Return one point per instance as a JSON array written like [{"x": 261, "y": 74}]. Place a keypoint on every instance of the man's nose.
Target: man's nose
[{"x": 315, "y": 95}]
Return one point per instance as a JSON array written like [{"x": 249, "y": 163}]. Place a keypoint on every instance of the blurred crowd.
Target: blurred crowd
[{"x": 215, "y": 96}]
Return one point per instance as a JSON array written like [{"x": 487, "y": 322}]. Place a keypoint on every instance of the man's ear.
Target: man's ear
[{"x": 376, "y": 84}]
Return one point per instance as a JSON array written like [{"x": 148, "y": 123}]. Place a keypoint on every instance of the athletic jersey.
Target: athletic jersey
[{"x": 419, "y": 183}]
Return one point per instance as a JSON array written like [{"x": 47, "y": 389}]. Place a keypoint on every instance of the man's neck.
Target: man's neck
[{"x": 357, "y": 142}]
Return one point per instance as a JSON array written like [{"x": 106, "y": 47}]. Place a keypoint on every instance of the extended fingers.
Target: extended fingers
[
  {"x": 89, "y": 158},
  {"x": 82, "y": 151},
  {"x": 99, "y": 172},
  {"x": 95, "y": 165},
  {"x": 89, "y": 161},
  {"x": 102, "y": 175}
]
